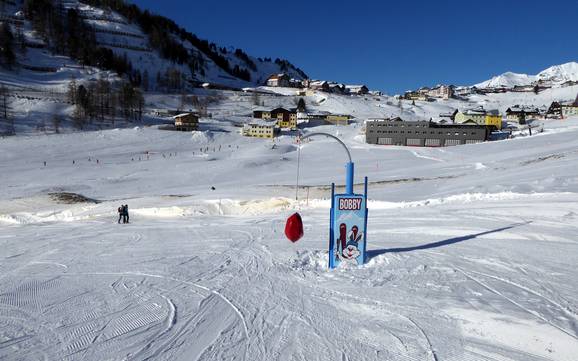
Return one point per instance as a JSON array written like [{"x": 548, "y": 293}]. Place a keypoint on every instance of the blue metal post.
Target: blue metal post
[
  {"x": 349, "y": 169},
  {"x": 365, "y": 227},
  {"x": 331, "y": 233}
]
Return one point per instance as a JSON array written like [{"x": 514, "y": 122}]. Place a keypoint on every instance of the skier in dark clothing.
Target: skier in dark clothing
[
  {"x": 125, "y": 213},
  {"x": 120, "y": 213}
]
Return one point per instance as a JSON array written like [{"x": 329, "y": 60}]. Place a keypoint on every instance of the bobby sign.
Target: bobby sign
[{"x": 348, "y": 225}]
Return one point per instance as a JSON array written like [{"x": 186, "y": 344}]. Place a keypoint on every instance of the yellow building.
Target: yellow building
[
  {"x": 479, "y": 116},
  {"x": 260, "y": 130},
  {"x": 569, "y": 110},
  {"x": 494, "y": 120},
  {"x": 287, "y": 120},
  {"x": 338, "y": 119},
  {"x": 261, "y": 114}
]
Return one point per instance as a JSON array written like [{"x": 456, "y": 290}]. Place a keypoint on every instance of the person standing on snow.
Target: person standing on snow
[
  {"x": 120, "y": 213},
  {"x": 125, "y": 213}
]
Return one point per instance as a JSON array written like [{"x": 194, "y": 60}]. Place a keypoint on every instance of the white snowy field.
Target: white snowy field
[{"x": 473, "y": 249}]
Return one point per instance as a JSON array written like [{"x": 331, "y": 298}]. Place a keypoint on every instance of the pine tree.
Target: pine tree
[
  {"x": 159, "y": 81},
  {"x": 72, "y": 90},
  {"x": 56, "y": 121},
  {"x": 7, "y": 56},
  {"x": 139, "y": 102},
  {"x": 82, "y": 108},
  {"x": 183, "y": 102},
  {"x": 301, "y": 105},
  {"x": 4, "y": 93},
  {"x": 145, "y": 81},
  {"x": 523, "y": 117},
  {"x": 21, "y": 40}
]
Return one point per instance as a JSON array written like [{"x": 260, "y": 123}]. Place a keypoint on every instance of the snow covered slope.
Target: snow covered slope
[
  {"x": 127, "y": 39},
  {"x": 472, "y": 249},
  {"x": 554, "y": 75},
  {"x": 560, "y": 73},
  {"x": 508, "y": 80}
]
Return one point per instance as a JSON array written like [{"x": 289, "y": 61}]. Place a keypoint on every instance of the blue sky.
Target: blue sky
[{"x": 390, "y": 45}]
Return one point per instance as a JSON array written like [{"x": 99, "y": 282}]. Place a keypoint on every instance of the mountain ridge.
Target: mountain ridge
[
  {"x": 553, "y": 75},
  {"x": 132, "y": 41}
]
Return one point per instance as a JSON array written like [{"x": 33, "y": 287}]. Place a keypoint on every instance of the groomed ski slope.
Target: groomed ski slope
[{"x": 473, "y": 249}]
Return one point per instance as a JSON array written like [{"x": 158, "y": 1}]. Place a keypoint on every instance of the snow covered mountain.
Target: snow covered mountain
[
  {"x": 508, "y": 79},
  {"x": 554, "y": 75},
  {"x": 560, "y": 73},
  {"x": 146, "y": 42}
]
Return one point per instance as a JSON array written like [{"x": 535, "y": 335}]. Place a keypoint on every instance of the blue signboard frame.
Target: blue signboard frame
[{"x": 348, "y": 228}]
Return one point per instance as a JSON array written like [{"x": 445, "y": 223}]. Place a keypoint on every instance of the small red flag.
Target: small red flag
[{"x": 294, "y": 228}]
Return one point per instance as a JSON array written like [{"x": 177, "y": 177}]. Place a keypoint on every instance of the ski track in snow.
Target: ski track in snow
[
  {"x": 457, "y": 263},
  {"x": 532, "y": 312}
]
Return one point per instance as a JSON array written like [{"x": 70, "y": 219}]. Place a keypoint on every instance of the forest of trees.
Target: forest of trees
[
  {"x": 243, "y": 56},
  {"x": 104, "y": 101},
  {"x": 159, "y": 30},
  {"x": 285, "y": 65},
  {"x": 66, "y": 33}
]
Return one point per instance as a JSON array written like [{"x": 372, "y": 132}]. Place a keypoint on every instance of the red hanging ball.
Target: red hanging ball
[{"x": 294, "y": 228}]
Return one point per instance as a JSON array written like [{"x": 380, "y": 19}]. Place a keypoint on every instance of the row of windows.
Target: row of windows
[
  {"x": 427, "y": 142},
  {"x": 417, "y": 132},
  {"x": 399, "y": 125}
]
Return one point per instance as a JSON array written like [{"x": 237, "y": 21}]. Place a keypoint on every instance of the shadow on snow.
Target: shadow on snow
[{"x": 445, "y": 242}]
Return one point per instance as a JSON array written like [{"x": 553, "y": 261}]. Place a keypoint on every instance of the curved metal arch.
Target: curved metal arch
[{"x": 331, "y": 136}]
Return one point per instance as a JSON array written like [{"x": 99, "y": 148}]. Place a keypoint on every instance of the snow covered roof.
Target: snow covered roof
[
  {"x": 519, "y": 109},
  {"x": 278, "y": 76},
  {"x": 394, "y": 119},
  {"x": 184, "y": 115},
  {"x": 261, "y": 123},
  {"x": 475, "y": 111}
]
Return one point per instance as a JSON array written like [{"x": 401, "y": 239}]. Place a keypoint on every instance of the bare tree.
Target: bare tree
[
  {"x": 72, "y": 90},
  {"x": 145, "y": 81},
  {"x": 4, "y": 93},
  {"x": 195, "y": 101},
  {"x": 256, "y": 98},
  {"x": 183, "y": 102},
  {"x": 56, "y": 121}
]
